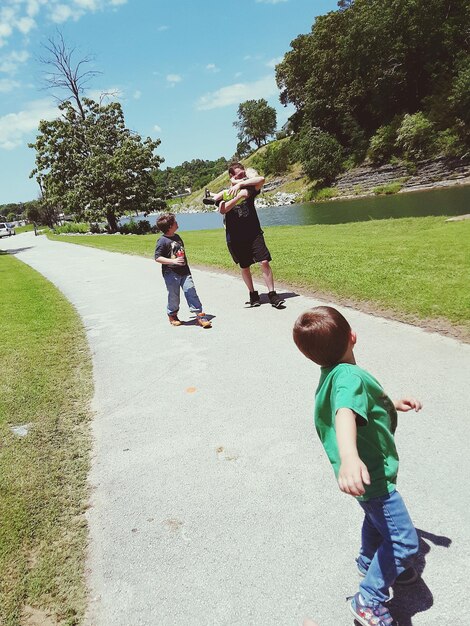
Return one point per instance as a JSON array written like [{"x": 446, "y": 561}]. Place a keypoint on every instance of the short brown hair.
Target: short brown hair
[
  {"x": 165, "y": 222},
  {"x": 322, "y": 335},
  {"x": 235, "y": 166}
]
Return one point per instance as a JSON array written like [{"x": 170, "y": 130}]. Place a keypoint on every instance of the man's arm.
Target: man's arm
[
  {"x": 256, "y": 181},
  {"x": 353, "y": 473},
  {"x": 225, "y": 207}
]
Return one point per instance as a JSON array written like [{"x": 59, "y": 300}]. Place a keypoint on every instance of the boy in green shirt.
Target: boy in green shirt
[{"x": 356, "y": 421}]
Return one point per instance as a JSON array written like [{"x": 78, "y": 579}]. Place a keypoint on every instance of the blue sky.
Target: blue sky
[{"x": 180, "y": 68}]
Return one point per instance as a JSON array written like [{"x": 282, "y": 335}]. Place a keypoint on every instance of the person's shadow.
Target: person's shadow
[
  {"x": 285, "y": 295},
  {"x": 416, "y": 598}
]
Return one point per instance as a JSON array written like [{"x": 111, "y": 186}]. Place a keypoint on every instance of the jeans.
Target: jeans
[
  {"x": 174, "y": 282},
  {"x": 389, "y": 544}
]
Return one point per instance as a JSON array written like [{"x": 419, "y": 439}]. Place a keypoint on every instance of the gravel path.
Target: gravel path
[{"x": 212, "y": 500}]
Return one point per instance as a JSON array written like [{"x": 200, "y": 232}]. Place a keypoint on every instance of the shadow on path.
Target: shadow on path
[{"x": 417, "y": 598}]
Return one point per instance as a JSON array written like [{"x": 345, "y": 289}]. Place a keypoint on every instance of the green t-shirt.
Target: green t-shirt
[{"x": 346, "y": 386}]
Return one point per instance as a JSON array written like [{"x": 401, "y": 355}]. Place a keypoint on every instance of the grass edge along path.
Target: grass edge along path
[
  {"x": 415, "y": 270},
  {"x": 47, "y": 384}
]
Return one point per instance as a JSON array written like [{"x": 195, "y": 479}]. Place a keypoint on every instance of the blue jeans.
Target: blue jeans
[
  {"x": 174, "y": 282},
  {"x": 389, "y": 545}
]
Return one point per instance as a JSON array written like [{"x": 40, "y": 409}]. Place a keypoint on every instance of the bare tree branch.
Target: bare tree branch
[{"x": 64, "y": 73}]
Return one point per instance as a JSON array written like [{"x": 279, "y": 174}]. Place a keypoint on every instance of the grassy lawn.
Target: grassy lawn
[
  {"x": 24, "y": 229},
  {"x": 413, "y": 268},
  {"x": 46, "y": 383}
]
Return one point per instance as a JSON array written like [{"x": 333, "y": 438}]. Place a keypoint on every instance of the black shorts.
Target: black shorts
[{"x": 245, "y": 253}]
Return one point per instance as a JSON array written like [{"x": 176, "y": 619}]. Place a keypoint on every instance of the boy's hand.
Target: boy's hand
[
  {"x": 179, "y": 260},
  {"x": 406, "y": 404},
  {"x": 234, "y": 189},
  {"x": 353, "y": 475}
]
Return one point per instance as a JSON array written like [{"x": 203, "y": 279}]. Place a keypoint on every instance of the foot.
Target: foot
[
  {"x": 275, "y": 300},
  {"x": 174, "y": 321},
  {"x": 408, "y": 577},
  {"x": 373, "y": 615},
  {"x": 203, "y": 321},
  {"x": 254, "y": 299}
]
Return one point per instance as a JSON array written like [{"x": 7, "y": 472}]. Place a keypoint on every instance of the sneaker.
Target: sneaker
[
  {"x": 174, "y": 321},
  {"x": 408, "y": 577},
  {"x": 203, "y": 321},
  {"x": 209, "y": 201},
  {"x": 377, "y": 615},
  {"x": 254, "y": 299},
  {"x": 275, "y": 300}
]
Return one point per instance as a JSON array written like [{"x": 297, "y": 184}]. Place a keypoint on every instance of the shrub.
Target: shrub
[
  {"x": 274, "y": 160},
  {"x": 142, "y": 227},
  {"x": 382, "y": 144},
  {"x": 320, "y": 153},
  {"x": 416, "y": 136},
  {"x": 96, "y": 229},
  {"x": 71, "y": 227},
  {"x": 449, "y": 143}
]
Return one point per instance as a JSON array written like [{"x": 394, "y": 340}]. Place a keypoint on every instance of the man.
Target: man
[{"x": 245, "y": 239}]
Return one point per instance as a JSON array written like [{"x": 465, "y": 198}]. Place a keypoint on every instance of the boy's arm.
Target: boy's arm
[
  {"x": 166, "y": 261},
  {"x": 353, "y": 473},
  {"x": 225, "y": 207},
  {"x": 406, "y": 404}
]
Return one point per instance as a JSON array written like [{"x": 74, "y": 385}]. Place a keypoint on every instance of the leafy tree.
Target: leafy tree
[
  {"x": 275, "y": 159},
  {"x": 41, "y": 212},
  {"x": 383, "y": 144},
  {"x": 256, "y": 121},
  {"x": 90, "y": 165}
]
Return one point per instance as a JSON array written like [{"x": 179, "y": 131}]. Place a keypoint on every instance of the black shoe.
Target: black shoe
[
  {"x": 275, "y": 300},
  {"x": 210, "y": 201},
  {"x": 254, "y": 299}
]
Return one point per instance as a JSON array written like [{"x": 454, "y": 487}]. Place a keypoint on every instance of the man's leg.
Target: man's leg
[
  {"x": 247, "y": 278},
  {"x": 267, "y": 275},
  {"x": 399, "y": 546}
]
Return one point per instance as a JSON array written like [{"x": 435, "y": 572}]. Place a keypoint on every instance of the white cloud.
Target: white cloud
[
  {"x": 7, "y": 84},
  {"x": 157, "y": 128},
  {"x": 273, "y": 62},
  {"x": 173, "y": 78},
  {"x": 271, "y": 1},
  {"x": 10, "y": 63},
  {"x": 17, "y": 128},
  {"x": 239, "y": 92},
  {"x": 19, "y": 14},
  {"x": 212, "y": 67},
  {"x": 62, "y": 12},
  {"x": 137, "y": 94},
  {"x": 162, "y": 28}
]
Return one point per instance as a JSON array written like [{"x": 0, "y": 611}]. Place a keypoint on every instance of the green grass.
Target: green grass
[
  {"x": 46, "y": 382},
  {"x": 412, "y": 267},
  {"x": 388, "y": 189},
  {"x": 24, "y": 229}
]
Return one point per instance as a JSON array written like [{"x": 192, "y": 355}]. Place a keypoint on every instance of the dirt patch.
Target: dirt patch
[{"x": 36, "y": 617}]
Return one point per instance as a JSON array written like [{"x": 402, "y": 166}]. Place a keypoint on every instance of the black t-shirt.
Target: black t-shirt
[
  {"x": 169, "y": 247},
  {"x": 242, "y": 222}
]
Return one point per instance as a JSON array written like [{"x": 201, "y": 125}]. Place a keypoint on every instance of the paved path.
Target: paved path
[{"x": 213, "y": 503}]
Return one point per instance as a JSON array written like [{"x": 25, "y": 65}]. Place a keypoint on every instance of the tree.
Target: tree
[
  {"x": 320, "y": 154},
  {"x": 90, "y": 165},
  {"x": 256, "y": 121}
]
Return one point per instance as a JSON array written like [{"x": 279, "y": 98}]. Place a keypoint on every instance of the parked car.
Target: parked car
[{"x": 5, "y": 230}]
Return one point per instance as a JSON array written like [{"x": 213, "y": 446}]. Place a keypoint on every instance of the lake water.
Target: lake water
[{"x": 451, "y": 201}]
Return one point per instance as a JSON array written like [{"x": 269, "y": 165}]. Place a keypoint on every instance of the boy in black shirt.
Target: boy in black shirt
[{"x": 170, "y": 253}]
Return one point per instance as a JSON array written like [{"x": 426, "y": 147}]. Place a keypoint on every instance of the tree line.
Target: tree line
[{"x": 379, "y": 80}]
